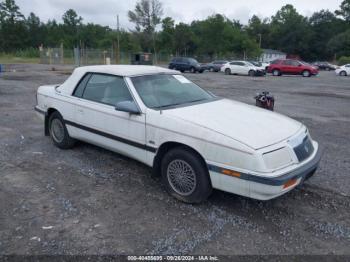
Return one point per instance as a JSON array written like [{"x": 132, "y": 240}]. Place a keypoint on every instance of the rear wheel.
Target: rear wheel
[
  {"x": 59, "y": 133},
  {"x": 227, "y": 71},
  {"x": 251, "y": 73},
  {"x": 185, "y": 175},
  {"x": 306, "y": 73},
  {"x": 276, "y": 72},
  {"x": 343, "y": 73}
]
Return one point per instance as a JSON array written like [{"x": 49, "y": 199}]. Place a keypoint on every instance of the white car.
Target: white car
[
  {"x": 343, "y": 70},
  {"x": 265, "y": 65},
  {"x": 242, "y": 68},
  {"x": 195, "y": 140}
]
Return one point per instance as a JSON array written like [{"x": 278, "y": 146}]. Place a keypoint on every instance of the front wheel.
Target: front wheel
[
  {"x": 276, "y": 72},
  {"x": 306, "y": 73},
  {"x": 251, "y": 73},
  {"x": 185, "y": 175},
  {"x": 59, "y": 133}
]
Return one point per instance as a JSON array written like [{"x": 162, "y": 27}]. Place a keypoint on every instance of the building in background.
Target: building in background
[{"x": 269, "y": 55}]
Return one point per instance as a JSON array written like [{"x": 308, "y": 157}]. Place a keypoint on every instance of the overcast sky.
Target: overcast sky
[{"x": 104, "y": 11}]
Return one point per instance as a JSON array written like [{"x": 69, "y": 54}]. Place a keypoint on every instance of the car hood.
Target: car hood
[{"x": 250, "y": 125}]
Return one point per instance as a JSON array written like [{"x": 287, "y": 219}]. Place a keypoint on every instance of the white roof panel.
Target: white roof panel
[
  {"x": 126, "y": 70},
  {"x": 119, "y": 70}
]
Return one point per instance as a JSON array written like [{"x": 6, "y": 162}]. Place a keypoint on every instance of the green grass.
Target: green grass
[{"x": 18, "y": 60}]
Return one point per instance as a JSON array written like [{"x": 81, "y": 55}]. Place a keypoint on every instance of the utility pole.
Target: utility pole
[
  {"x": 260, "y": 38},
  {"x": 118, "y": 42}
]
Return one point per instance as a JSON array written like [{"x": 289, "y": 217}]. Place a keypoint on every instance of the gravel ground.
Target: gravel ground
[{"x": 92, "y": 201}]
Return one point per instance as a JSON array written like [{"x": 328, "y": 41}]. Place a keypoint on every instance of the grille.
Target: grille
[{"x": 304, "y": 150}]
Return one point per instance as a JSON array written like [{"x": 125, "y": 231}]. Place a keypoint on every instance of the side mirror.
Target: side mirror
[{"x": 128, "y": 107}]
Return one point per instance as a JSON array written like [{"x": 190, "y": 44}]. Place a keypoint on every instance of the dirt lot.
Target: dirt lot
[{"x": 92, "y": 201}]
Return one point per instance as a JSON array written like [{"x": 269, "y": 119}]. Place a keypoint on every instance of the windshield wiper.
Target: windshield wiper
[
  {"x": 157, "y": 107},
  {"x": 198, "y": 100},
  {"x": 176, "y": 104}
]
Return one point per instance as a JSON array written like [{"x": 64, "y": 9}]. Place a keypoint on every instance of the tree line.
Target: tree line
[{"x": 323, "y": 36}]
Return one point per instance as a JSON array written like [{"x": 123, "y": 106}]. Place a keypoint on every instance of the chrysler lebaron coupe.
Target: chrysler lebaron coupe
[{"x": 193, "y": 139}]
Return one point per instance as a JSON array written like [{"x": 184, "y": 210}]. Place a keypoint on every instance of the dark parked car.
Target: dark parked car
[
  {"x": 215, "y": 66},
  {"x": 324, "y": 66},
  {"x": 291, "y": 67},
  {"x": 186, "y": 64}
]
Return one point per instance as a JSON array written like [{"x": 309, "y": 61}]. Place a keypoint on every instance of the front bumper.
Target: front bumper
[
  {"x": 263, "y": 188},
  {"x": 260, "y": 73}
]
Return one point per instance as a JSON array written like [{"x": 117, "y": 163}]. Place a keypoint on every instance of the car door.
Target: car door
[
  {"x": 243, "y": 68},
  {"x": 296, "y": 67},
  {"x": 347, "y": 67},
  {"x": 286, "y": 67},
  {"x": 98, "y": 122},
  {"x": 181, "y": 64},
  {"x": 234, "y": 68}
]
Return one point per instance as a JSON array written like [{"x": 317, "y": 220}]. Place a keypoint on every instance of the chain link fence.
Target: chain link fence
[{"x": 81, "y": 57}]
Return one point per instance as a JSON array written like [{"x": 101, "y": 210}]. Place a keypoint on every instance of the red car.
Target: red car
[{"x": 291, "y": 67}]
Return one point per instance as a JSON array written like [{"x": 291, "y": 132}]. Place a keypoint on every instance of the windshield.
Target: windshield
[
  {"x": 159, "y": 91},
  {"x": 304, "y": 63},
  {"x": 256, "y": 63},
  {"x": 249, "y": 63},
  {"x": 193, "y": 61}
]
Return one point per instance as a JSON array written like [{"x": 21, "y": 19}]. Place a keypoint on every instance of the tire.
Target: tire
[
  {"x": 198, "y": 187},
  {"x": 182, "y": 71},
  {"x": 276, "y": 72},
  {"x": 251, "y": 73},
  {"x": 201, "y": 71},
  {"x": 193, "y": 70},
  {"x": 227, "y": 71},
  {"x": 58, "y": 132},
  {"x": 343, "y": 73},
  {"x": 306, "y": 73}
]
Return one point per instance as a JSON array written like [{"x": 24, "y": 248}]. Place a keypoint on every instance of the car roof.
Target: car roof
[
  {"x": 125, "y": 70},
  {"x": 119, "y": 70}
]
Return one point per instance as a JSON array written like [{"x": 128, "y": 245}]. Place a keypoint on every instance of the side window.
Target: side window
[
  {"x": 233, "y": 63},
  {"x": 287, "y": 62},
  {"x": 107, "y": 89},
  {"x": 79, "y": 90},
  {"x": 295, "y": 63}
]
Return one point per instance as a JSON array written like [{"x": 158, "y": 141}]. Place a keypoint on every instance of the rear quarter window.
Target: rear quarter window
[{"x": 79, "y": 90}]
